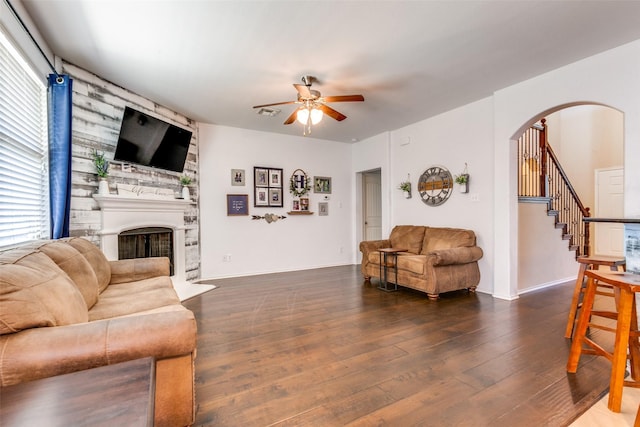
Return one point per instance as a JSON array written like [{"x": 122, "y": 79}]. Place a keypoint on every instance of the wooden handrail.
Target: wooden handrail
[{"x": 565, "y": 178}]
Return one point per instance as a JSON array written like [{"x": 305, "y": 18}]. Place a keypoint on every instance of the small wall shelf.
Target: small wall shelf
[{"x": 300, "y": 213}]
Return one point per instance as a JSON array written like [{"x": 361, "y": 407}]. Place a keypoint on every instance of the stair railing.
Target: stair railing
[{"x": 541, "y": 178}]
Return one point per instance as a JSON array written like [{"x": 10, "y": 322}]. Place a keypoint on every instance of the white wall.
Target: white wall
[
  {"x": 450, "y": 140},
  {"x": 585, "y": 138},
  {"x": 545, "y": 259},
  {"x": 294, "y": 243},
  {"x": 611, "y": 78}
]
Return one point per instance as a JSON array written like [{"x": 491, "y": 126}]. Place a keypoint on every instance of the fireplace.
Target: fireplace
[
  {"x": 146, "y": 242},
  {"x": 122, "y": 214}
]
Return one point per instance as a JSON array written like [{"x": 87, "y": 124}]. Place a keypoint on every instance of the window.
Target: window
[{"x": 24, "y": 180}]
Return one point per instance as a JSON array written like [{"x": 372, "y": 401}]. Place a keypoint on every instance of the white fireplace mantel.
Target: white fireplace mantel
[{"x": 121, "y": 213}]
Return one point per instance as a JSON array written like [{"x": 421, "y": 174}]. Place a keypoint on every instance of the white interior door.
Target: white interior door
[
  {"x": 609, "y": 198},
  {"x": 372, "y": 203}
]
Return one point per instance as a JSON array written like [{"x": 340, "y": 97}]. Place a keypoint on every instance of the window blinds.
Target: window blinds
[{"x": 24, "y": 200}]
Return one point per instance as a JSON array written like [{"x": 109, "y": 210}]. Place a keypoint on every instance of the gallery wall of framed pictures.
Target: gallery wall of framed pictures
[{"x": 267, "y": 184}]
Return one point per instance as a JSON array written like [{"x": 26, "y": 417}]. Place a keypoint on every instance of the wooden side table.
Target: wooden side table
[
  {"x": 113, "y": 395},
  {"x": 385, "y": 254},
  {"x": 627, "y": 335}
]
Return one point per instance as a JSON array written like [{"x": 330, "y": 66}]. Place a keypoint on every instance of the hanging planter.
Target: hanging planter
[
  {"x": 463, "y": 180},
  {"x": 405, "y": 186}
]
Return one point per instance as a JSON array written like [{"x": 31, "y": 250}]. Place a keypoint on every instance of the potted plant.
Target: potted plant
[
  {"x": 405, "y": 186},
  {"x": 102, "y": 169},
  {"x": 463, "y": 181},
  {"x": 186, "y": 181}
]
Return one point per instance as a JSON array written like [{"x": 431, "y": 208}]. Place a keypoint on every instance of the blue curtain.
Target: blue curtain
[{"x": 59, "y": 99}]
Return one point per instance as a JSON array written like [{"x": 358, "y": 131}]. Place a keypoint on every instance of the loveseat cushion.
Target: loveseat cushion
[
  {"x": 96, "y": 259},
  {"x": 35, "y": 292},
  {"x": 134, "y": 297},
  {"x": 76, "y": 266},
  {"x": 407, "y": 237},
  {"x": 437, "y": 238}
]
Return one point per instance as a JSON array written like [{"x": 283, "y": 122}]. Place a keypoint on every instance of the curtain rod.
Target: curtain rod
[{"x": 24, "y": 27}]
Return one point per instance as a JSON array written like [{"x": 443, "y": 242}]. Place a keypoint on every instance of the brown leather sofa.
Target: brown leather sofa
[
  {"x": 64, "y": 307},
  {"x": 437, "y": 259}
]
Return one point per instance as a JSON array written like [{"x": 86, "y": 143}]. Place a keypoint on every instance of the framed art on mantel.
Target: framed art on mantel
[{"x": 267, "y": 185}]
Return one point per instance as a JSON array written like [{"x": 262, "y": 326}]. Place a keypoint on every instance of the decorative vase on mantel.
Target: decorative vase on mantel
[
  {"x": 186, "y": 194},
  {"x": 103, "y": 187}
]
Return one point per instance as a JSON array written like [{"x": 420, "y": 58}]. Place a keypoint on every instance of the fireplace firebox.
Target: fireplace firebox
[{"x": 146, "y": 242}]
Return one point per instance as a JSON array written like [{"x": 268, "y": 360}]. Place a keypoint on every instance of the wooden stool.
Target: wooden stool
[
  {"x": 627, "y": 336},
  {"x": 637, "y": 422},
  {"x": 588, "y": 263}
]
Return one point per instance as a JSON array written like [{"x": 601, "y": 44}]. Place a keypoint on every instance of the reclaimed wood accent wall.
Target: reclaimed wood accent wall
[{"x": 98, "y": 106}]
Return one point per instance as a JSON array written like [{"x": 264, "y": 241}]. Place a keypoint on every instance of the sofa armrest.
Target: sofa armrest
[
  {"x": 462, "y": 255},
  {"x": 45, "y": 352},
  {"x": 367, "y": 246},
  {"x": 130, "y": 270}
]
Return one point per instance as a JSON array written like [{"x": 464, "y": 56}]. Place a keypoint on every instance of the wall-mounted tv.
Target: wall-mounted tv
[{"x": 148, "y": 141}]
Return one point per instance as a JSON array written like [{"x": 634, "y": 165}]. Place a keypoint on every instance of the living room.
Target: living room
[{"x": 477, "y": 134}]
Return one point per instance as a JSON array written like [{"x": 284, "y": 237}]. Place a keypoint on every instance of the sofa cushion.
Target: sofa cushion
[
  {"x": 35, "y": 292},
  {"x": 437, "y": 238},
  {"x": 414, "y": 263},
  {"x": 407, "y": 237},
  {"x": 96, "y": 259},
  {"x": 134, "y": 297},
  {"x": 77, "y": 268}
]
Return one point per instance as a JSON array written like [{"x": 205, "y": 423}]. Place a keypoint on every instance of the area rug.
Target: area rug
[{"x": 186, "y": 290}]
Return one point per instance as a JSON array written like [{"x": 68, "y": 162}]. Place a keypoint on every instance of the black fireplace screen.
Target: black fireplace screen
[{"x": 146, "y": 242}]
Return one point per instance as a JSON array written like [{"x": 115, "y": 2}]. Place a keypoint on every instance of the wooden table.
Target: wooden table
[
  {"x": 114, "y": 395},
  {"x": 384, "y": 254}
]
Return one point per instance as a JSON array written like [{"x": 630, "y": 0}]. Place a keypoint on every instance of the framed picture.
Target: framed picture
[
  {"x": 275, "y": 177},
  {"x": 296, "y": 205},
  {"x": 267, "y": 186},
  {"x": 237, "y": 204},
  {"x": 261, "y": 197},
  {"x": 323, "y": 208},
  {"x": 322, "y": 184},
  {"x": 261, "y": 177},
  {"x": 237, "y": 177},
  {"x": 304, "y": 204},
  {"x": 275, "y": 197}
]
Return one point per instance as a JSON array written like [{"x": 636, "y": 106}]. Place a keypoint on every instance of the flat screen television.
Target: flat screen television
[{"x": 148, "y": 141}]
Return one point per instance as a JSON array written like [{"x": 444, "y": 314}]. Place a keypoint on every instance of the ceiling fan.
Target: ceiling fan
[{"x": 313, "y": 105}]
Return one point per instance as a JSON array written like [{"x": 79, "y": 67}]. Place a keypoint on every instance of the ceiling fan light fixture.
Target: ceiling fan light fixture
[
  {"x": 303, "y": 116},
  {"x": 316, "y": 116},
  {"x": 304, "y": 113}
]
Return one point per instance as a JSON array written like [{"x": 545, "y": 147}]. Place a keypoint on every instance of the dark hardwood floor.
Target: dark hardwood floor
[{"x": 323, "y": 348}]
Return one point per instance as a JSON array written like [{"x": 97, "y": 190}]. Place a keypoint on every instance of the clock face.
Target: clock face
[{"x": 435, "y": 185}]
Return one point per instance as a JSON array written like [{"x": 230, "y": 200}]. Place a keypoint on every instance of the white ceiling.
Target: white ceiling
[{"x": 213, "y": 60}]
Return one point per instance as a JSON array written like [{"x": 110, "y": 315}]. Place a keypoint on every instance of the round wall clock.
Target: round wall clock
[{"x": 435, "y": 185}]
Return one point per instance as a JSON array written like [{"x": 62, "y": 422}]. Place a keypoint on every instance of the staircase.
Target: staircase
[{"x": 541, "y": 179}]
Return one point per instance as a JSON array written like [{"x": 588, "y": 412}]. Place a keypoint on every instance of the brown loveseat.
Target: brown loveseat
[
  {"x": 64, "y": 307},
  {"x": 436, "y": 260}
]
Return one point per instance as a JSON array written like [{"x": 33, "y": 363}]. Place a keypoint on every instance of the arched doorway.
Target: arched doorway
[{"x": 587, "y": 139}]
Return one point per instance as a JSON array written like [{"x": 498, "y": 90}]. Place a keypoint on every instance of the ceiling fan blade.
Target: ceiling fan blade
[
  {"x": 344, "y": 98},
  {"x": 332, "y": 113},
  {"x": 303, "y": 90},
  {"x": 276, "y": 103},
  {"x": 292, "y": 117}
]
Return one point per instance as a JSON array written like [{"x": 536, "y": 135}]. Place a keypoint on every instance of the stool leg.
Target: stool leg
[
  {"x": 583, "y": 323},
  {"x": 575, "y": 301},
  {"x": 619, "y": 359},
  {"x": 634, "y": 343}
]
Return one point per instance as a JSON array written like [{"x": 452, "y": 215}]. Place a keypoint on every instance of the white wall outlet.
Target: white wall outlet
[
  {"x": 226, "y": 258},
  {"x": 475, "y": 197}
]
